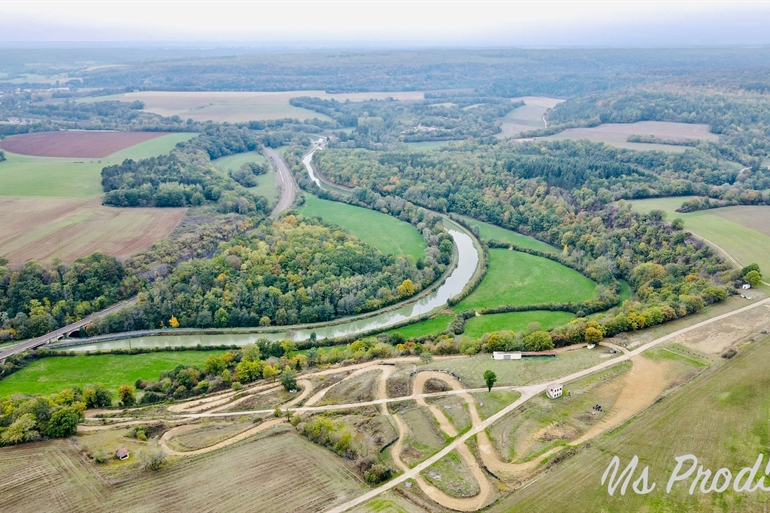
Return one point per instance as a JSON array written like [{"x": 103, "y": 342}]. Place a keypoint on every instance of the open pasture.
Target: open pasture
[
  {"x": 741, "y": 231},
  {"x": 432, "y": 326},
  {"x": 615, "y": 134},
  {"x": 514, "y": 321},
  {"x": 519, "y": 372},
  {"x": 75, "y": 143},
  {"x": 528, "y": 117},
  {"x": 516, "y": 278},
  {"x": 236, "y": 107},
  {"x": 382, "y": 231},
  {"x": 280, "y": 473},
  {"x": 43, "y": 229},
  {"x": 720, "y": 417},
  {"x": 51, "y": 375}
]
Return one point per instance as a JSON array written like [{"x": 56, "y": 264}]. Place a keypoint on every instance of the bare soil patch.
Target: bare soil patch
[
  {"x": 43, "y": 228},
  {"x": 75, "y": 144}
]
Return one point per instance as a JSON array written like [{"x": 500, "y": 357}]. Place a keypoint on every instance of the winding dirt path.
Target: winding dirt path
[
  {"x": 485, "y": 488},
  {"x": 171, "y": 433},
  {"x": 644, "y": 383}
]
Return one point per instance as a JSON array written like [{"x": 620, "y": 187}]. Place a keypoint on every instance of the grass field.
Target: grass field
[
  {"x": 490, "y": 231},
  {"x": 452, "y": 476},
  {"x": 517, "y": 278},
  {"x": 514, "y": 321},
  {"x": 281, "y": 473},
  {"x": 528, "y": 117},
  {"x": 50, "y": 375},
  {"x": 424, "y": 438},
  {"x": 71, "y": 178},
  {"x": 236, "y": 107},
  {"x": 518, "y": 372},
  {"x": 432, "y": 326},
  {"x": 742, "y": 231},
  {"x": 615, "y": 134},
  {"x": 731, "y": 434},
  {"x": 382, "y": 231},
  {"x": 266, "y": 183}
]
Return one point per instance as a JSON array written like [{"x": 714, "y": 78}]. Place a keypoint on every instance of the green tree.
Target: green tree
[
  {"x": 269, "y": 372},
  {"x": 126, "y": 395},
  {"x": 593, "y": 335},
  {"x": 538, "y": 341},
  {"x": 97, "y": 396},
  {"x": 753, "y": 278},
  {"x": 289, "y": 380},
  {"x": 22, "y": 430},
  {"x": 490, "y": 378},
  {"x": 63, "y": 423}
]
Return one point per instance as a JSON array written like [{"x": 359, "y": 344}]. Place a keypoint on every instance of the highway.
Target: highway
[{"x": 289, "y": 186}]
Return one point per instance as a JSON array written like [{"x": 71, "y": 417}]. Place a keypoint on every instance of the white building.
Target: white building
[
  {"x": 506, "y": 355},
  {"x": 554, "y": 390}
]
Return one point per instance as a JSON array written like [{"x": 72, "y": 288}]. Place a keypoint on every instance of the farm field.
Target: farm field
[
  {"x": 51, "y": 375},
  {"x": 266, "y": 183},
  {"x": 428, "y": 327},
  {"x": 23, "y": 175},
  {"x": 475, "y": 327},
  {"x": 75, "y": 144},
  {"x": 615, "y": 134},
  {"x": 51, "y": 207},
  {"x": 519, "y": 372},
  {"x": 42, "y": 229},
  {"x": 736, "y": 398},
  {"x": 292, "y": 475},
  {"x": 490, "y": 231},
  {"x": 382, "y": 231},
  {"x": 516, "y": 278},
  {"x": 742, "y": 231},
  {"x": 528, "y": 117},
  {"x": 233, "y": 107}
]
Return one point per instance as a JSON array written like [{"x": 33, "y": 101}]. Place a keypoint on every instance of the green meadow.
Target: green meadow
[
  {"x": 382, "y": 231},
  {"x": 265, "y": 183},
  {"x": 50, "y": 375},
  {"x": 475, "y": 327},
  {"x": 516, "y": 278}
]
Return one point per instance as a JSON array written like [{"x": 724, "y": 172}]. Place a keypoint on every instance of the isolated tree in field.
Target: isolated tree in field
[
  {"x": 753, "y": 278},
  {"x": 593, "y": 335},
  {"x": 490, "y": 378},
  {"x": 289, "y": 380},
  {"x": 126, "y": 395}
]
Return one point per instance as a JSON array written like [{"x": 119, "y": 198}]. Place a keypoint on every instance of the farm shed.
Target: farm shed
[
  {"x": 554, "y": 390},
  {"x": 506, "y": 355},
  {"x": 122, "y": 454}
]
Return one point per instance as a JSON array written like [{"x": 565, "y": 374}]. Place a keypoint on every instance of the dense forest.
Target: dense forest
[
  {"x": 296, "y": 270},
  {"x": 382, "y": 123},
  {"x": 186, "y": 177},
  {"x": 560, "y": 199},
  {"x": 36, "y": 300}
]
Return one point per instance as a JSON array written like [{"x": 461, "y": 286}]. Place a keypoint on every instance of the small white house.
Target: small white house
[
  {"x": 554, "y": 390},
  {"x": 506, "y": 355},
  {"x": 746, "y": 286}
]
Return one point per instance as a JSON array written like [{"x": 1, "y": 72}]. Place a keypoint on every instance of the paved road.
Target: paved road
[
  {"x": 526, "y": 394},
  {"x": 48, "y": 337},
  {"x": 289, "y": 186}
]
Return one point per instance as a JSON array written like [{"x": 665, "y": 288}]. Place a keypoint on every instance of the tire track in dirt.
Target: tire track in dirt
[{"x": 168, "y": 435}]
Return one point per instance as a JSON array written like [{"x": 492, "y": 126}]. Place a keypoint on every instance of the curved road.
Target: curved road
[{"x": 289, "y": 186}]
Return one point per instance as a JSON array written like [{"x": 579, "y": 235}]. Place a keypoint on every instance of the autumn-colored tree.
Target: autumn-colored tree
[
  {"x": 406, "y": 289},
  {"x": 126, "y": 394},
  {"x": 173, "y": 322},
  {"x": 593, "y": 335},
  {"x": 269, "y": 372}
]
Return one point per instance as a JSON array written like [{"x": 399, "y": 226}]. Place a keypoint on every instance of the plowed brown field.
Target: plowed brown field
[
  {"x": 75, "y": 144},
  {"x": 43, "y": 228}
]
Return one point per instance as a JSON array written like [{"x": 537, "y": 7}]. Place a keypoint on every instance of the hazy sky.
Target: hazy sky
[{"x": 541, "y": 23}]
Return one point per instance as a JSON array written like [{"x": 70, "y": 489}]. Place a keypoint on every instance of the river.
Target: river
[{"x": 468, "y": 260}]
